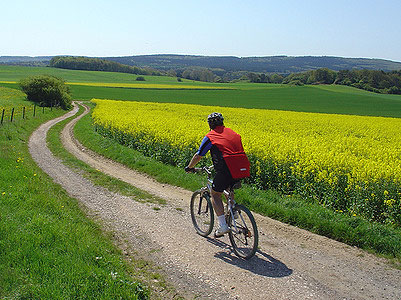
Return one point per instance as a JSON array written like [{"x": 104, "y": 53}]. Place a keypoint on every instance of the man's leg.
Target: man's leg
[
  {"x": 219, "y": 209},
  {"x": 217, "y": 203}
]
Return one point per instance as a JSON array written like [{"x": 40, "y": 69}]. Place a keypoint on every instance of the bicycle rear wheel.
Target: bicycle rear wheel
[
  {"x": 244, "y": 235},
  {"x": 202, "y": 213}
]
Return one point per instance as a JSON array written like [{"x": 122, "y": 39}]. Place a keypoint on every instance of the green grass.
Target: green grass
[
  {"x": 12, "y": 97},
  {"x": 94, "y": 175},
  {"x": 161, "y": 172},
  {"x": 15, "y": 73},
  {"x": 380, "y": 239},
  {"x": 321, "y": 99},
  {"x": 49, "y": 249}
]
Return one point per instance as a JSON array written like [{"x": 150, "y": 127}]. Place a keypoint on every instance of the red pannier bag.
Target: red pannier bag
[
  {"x": 238, "y": 165},
  {"x": 230, "y": 145}
]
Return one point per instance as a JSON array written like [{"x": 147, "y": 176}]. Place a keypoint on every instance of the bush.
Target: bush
[
  {"x": 394, "y": 90},
  {"x": 140, "y": 78},
  {"x": 296, "y": 82},
  {"x": 47, "y": 91}
]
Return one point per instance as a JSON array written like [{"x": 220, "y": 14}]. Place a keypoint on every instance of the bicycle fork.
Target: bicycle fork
[{"x": 204, "y": 193}]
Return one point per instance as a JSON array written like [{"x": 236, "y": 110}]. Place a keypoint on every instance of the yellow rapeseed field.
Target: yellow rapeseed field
[{"x": 354, "y": 157}]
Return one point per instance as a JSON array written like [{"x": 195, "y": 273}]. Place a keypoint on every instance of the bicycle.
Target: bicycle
[{"x": 243, "y": 232}]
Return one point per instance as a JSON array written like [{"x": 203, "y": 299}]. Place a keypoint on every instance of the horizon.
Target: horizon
[
  {"x": 348, "y": 29},
  {"x": 200, "y": 55}
]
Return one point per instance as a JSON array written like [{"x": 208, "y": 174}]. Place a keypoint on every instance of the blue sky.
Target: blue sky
[{"x": 350, "y": 28}]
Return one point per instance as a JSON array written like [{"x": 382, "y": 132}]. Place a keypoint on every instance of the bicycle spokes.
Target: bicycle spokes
[
  {"x": 202, "y": 213},
  {"x": 243, "y": 234}
]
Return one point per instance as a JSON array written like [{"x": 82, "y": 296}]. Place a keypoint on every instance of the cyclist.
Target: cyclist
[{"x": 229, "y": 161}]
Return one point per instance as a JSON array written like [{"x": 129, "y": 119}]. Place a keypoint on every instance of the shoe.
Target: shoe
[{"x": 221, "y": 230}]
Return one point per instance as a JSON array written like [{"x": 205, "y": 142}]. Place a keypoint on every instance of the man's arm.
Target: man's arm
[
  {"x": 195, "y": 159},
  {"x": 203, "y": 149}
]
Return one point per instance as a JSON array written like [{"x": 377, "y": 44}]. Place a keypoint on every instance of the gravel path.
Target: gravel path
[{"x": 291, "y": 263}]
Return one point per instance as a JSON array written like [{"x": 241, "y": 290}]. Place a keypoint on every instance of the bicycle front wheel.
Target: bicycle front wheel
[
  {"x": 202, "y": 213},
  {"x": 244, "y": 235}
]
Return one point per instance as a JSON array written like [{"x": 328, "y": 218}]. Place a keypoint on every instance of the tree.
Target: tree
[
  {"x": 47, "y": 91},
  {"x": 96, "y": 64},
  {"x": 253, "y": 77},
  {"x": 276, "y": 78}
]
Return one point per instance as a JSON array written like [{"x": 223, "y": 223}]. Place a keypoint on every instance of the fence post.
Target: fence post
[
  {"x": 34, "y": 110},
  {"x": 12, "y": 114},
  {"x": 23, "y": 112},
  {"x": 2, "y": 115},
  {"x": 43, "y": 109}
]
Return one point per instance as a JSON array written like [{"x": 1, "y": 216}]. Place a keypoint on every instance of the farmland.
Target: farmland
[
  {"x": 315, "y": 106},
  {"x": 320, "y": 99},
  {"x": 348, "y": 163},
  {"x": 318, "y": 150}
]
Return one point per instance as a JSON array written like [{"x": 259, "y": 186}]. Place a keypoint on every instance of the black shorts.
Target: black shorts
[{"x": 222, "y": 181}]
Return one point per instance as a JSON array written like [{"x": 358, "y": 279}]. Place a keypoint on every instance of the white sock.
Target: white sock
[{"x": 222, "y": 220}]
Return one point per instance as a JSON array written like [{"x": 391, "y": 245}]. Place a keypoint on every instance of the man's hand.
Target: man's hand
[{"x": 189, "y": 170}]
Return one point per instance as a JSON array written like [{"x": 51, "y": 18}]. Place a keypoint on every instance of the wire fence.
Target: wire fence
[{"x": 12, "y": 114}]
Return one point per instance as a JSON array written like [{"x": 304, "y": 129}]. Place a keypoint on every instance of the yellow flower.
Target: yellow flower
[{"x": 323, "y": 148}]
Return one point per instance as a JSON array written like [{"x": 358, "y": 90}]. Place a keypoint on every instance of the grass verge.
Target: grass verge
[
  {"x": 94, "y": 175},
  {"x": 49, "y": 249},
  {"x": 157, "y": 285},
  {"x": 377, "y": 238}
]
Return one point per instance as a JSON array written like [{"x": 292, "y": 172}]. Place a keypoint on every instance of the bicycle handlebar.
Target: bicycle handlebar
[{"x": 207, "y": 170}]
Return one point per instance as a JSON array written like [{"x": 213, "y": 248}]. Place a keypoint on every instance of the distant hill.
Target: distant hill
[
  {"x": 26, "y": 60},
  {"x": 96, "y": 64},
  {"x": 223, "y": 64},
  {"x": 267, "y": 64}
]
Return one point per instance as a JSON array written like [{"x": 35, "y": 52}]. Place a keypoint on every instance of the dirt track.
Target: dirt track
[{"x": 291, "y": 263}]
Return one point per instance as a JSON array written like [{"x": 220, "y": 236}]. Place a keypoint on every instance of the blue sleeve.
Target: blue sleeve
[{"x": 204, "y": 147}]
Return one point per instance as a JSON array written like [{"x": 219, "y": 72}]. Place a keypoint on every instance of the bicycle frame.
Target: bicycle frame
[
  {"x": 243, "y": 234},
  {"x": 229, "y": 194}
]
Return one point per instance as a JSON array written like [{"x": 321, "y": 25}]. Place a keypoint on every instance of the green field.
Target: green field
[
  {"x": 322, "y": 99},
  {"x": 49, "y": 249}
]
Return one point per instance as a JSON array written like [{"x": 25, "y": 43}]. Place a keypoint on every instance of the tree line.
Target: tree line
[
  {"x": 96, "y": 64},
  {"x": 265, "y": 64},
  {"x": 370, "y": 80}
]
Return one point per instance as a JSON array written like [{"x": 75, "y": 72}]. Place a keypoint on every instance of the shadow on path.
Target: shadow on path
[{"x": 261, "y": 264}]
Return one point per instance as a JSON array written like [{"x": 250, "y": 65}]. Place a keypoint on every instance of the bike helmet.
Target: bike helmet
[{"x": 215, "y": 119}]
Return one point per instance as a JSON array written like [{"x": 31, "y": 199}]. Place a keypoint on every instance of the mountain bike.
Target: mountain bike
[{"x": 243, "y": 232}]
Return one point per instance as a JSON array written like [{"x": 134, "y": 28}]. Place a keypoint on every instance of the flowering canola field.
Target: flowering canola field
[{"x": 349, "y": 163}]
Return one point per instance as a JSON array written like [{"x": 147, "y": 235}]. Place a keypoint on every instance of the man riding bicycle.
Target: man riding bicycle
[{"x": 229, "y": 161}]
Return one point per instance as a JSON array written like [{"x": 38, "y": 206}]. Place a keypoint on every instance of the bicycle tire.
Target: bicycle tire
[
  {"x": 202, "y": 213},
  {"x": 245, "y": 240}
]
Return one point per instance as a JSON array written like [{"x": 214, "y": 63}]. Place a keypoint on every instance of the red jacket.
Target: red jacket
[
  {"x": 226, "y": 139},
  {"x": 230, "y": 145}
]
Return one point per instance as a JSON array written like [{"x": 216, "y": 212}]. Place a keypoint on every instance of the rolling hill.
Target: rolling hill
[{"x": 223, "y": 64}]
